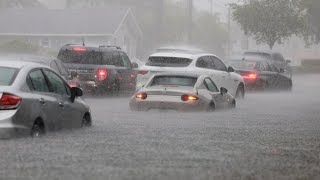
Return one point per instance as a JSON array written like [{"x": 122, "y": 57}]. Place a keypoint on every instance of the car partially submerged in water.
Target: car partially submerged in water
[
  {"x": 34, "y": 100},
  {"x": 181, "y": 92}
]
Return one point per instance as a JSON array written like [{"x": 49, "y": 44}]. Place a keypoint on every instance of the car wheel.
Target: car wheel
[
  {"x": 37, "y": 129},
  {"x": 240, "y": 92},
  {"x": 211, "y": 107},
  {"x": 86, "y": 121}
]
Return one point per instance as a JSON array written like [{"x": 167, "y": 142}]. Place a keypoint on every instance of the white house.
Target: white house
[{"x": 54, "y": 28}]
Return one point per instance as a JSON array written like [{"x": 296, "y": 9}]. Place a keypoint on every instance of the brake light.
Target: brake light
[
  {"x": 102, "y": 74},
  {"x": 79, "y": 49},
  {"x": 250, "y": 76},
  {"x": 9, "y": 101},
  {"x": 132, "y": 76},
  {"x": 143, "y": 72},
  {"x": 187, "y": 97},
  {"x": 142, "y": 96}
]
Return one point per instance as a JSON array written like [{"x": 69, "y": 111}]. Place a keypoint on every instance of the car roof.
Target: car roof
[
  {"x": 92, "y": 48},
  {"x": 194, "y": 75},
  {"x": 19, "y": 64},
  {"x": 188, "y": 55}
]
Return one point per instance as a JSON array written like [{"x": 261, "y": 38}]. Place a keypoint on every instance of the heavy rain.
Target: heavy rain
[{"x": 159, "y": 89}]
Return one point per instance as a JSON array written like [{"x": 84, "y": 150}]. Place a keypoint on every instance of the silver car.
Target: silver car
[
  {"x": 34, "y": 99},
  {"x": 182, "y": 92}
]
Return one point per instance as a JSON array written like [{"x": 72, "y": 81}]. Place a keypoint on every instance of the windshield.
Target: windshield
[
  {"x": 86, "y": 57},
  {"x": 7, "y": 75},
  {"x": 173, "y": 81},
  {"x": 256, "y": 56},
  {"x": 168, "y": 62},
  {"x": 243, "y": 65}
]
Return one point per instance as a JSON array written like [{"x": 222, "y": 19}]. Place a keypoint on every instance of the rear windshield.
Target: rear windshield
[
  {"x": 256, "y": 56},
  {"x": 243, "y": 65},
  {"x": 7, "y": 76},
  {"x": 89, "y": 57},
  {"x": 173, "y": 81},
  {"x": 168, "y": 62}
]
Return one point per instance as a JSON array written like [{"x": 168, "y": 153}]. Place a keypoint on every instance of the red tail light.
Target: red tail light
[
  {"x": 9, "y": 101},
  {"x": 102, "y": 74},
  {"x": 187, "y": 97},
  {"x": 142, "y": 96},
  {"x": 250, "y": 76},
  {"x": 143, "y": 72},
  {"x": 79, "y": 49}
]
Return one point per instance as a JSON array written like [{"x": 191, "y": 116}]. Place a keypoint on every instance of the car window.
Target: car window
[
  {"x": 57, "y": 84},
  {"x": 274, "y": 68},
  {"x": 277, "y": 57},
  {"x": 54, "y": 66},
  {"x": 125, "y": 59},
  {"x": 168, "y": 62},
  {"x": 210, "y": 85},
  {"x": 173, "y": 81},
  {"x": 117, "y": 60},
  {"x": 63, "y": 70},
  {"x": 7, "y": 75},
  {"x": 37, "y": 82},
  {"x": 218, "y": 64},
  {"x": 203, "y": 62},
  {"x": 80, "y": 57}
]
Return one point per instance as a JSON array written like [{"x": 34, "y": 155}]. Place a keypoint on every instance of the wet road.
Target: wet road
[{"x": 268, "y": 136}]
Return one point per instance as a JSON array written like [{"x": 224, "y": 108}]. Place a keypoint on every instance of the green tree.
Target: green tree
[
  {"x": 313, "y": 18},
  {"x": 270, "y": 21}
]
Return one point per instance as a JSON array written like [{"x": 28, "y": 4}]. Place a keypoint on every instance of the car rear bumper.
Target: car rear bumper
[
  {"x": 7, "y": 127},
  {"x": 137, "y": 105}
]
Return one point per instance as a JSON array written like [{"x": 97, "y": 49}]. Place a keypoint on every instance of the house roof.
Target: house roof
[{"x": 66, "y": 22}]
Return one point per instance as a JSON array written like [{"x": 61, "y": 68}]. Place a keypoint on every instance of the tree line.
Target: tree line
[{"x": 273, "y": 21}]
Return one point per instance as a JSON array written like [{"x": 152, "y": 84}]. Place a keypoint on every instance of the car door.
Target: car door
[
  {"x": 128, "y": 73},
  {"x": 43, "y": 98},
  {"x": 69, "y": 116},
  {"x": 216, "y": 96},
  {"x": 225, "y": 80},
  {"x": 205, "y": 65}
]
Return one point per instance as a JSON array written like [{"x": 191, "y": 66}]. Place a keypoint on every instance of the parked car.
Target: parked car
[
  {"x": 100, "y": 69},
  {"x": 193, "y": 62},
  {"x": 52, "y": 62},
  {"x": 261, "y": 74},
  {"x": 182, "y": 92},
  {"x": 274, "y": 57},
  {"x": 34, "y": 100}
]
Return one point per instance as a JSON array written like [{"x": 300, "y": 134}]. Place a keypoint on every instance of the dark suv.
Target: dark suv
[
  {"x": 273, "y": 57},
  {"x": 99, "y": 69}
]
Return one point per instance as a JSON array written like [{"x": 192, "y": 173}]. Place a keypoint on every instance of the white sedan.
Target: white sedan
[
  {"x": 181, "y": 92},
  {"x": 193, "y": 62}
]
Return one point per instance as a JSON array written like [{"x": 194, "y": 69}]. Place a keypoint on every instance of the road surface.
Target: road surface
[{"x": 268, "y": 136}]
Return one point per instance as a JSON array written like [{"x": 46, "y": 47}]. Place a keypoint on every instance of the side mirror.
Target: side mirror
[
  {"x": 288, "y": 61},
  {"x": 223, "y": 90},
  {"x": 230, "y": 69},
  {"x": 134, "y": 65},
  {"x": 74, "y": 74},
  {"x": 76, "y": 92}
]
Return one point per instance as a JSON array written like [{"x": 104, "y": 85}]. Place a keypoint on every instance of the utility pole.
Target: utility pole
[
  {"x": 190, "y": 20},
  {"x": 229, "y": 32}
]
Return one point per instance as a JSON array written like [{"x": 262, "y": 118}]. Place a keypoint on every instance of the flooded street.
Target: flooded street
[{"x": 268, "y": 136}]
